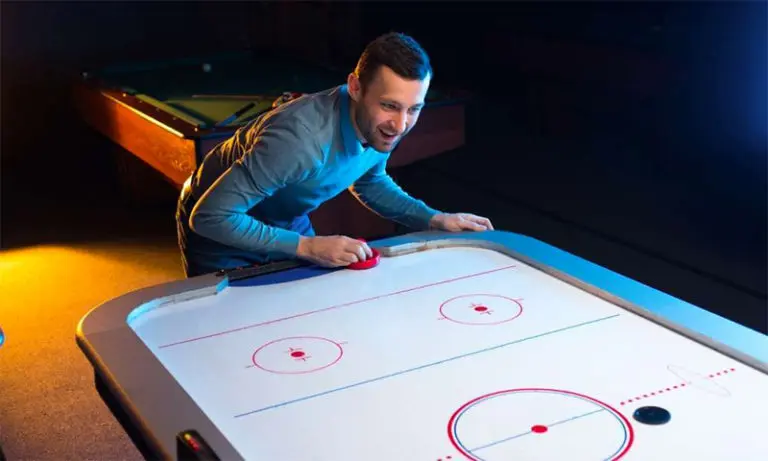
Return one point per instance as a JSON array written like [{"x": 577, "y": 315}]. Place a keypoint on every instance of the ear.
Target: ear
[{"x": 353, "y": 86}]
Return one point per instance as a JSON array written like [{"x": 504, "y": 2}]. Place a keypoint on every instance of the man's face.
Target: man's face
[{"x": 388, "y": 108}]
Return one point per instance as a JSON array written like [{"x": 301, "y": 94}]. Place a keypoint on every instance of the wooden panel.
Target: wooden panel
[{"x": 166, "y": 152}]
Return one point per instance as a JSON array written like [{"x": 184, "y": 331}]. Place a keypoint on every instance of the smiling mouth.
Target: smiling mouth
[{"x": 387, "y": 137}]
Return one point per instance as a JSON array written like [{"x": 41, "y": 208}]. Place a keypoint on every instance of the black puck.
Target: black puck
[{"x": 652, "y": 415}]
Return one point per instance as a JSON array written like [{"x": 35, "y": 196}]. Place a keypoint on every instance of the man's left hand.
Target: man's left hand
[{"x": 457, "y": 222}]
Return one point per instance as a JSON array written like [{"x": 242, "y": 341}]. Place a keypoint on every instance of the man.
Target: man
[{"x": 249, "y": 200}]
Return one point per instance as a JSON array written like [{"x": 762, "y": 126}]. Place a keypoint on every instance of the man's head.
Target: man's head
[{"x": 388, "y": 89}]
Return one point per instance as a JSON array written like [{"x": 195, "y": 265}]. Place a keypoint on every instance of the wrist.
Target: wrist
[{"x": 302, "y": 249}]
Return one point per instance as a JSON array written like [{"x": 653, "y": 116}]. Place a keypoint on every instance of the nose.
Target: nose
[{"x": 401, "y": 122}]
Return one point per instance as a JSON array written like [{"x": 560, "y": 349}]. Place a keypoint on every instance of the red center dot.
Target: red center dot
[
  {"x": 481, "y": 308},
  {"x": 297, "y": 354},
  {"x": 539, "y": 429}
]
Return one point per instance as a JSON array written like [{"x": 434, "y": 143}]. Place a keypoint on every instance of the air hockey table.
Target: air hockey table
[{"x": 480, "y": 346}]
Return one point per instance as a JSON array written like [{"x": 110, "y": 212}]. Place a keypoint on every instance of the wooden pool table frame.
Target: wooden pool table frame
[{"x": 173, "y": 146}]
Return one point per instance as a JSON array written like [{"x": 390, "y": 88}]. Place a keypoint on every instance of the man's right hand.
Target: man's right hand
[{"x": 333, "y": 251}]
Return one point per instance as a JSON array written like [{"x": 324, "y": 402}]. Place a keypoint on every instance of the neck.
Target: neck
[{"x": 353, "y": 120}]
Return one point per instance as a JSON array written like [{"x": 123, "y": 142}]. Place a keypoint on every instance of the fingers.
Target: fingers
[
  {"x": 328, "y": 263},
  {"x": 484, "y": 222},
  {"x": 347, "y": 257},
  {"x": 472, "y": 225},
  {"x": 477, "y": 223},
  {"x": 367, "y": 250},
  {"x": 362, "y": 250},
  {"x": 337, "y": 251},
  {"x": 356, "y": 250}
]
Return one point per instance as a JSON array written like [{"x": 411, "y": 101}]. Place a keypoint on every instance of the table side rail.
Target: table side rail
[{"x": 124, "y": 363}]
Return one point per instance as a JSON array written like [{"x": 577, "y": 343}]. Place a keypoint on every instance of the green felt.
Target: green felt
[
  {"x": 213, "y": 111},
  {"x": 168, "y": 107}
]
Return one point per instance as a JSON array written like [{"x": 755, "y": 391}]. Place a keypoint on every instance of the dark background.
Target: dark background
[
  {"x": 631, "y": 133},
  {"x": 659, "y": 108}
]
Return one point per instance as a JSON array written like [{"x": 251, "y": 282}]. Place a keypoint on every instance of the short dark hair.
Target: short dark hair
[{"x": 397, "y": 51}]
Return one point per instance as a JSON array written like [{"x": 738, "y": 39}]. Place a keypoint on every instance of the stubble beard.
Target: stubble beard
[{"x": 371, "y": 135}]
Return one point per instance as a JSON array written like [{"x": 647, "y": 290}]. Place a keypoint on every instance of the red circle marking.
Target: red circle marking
[
  {"x": 539, "y": 429},
  {"x": 334, "y": 362},
  {"x": 455, "y": 415},
  {"x": 297, "y": 354},
  {"x": 515, "y": 301},
  {"x": 481, "y": 308}
]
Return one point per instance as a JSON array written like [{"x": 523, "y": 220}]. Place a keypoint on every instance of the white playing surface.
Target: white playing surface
[{"x": 456, "y": 353}]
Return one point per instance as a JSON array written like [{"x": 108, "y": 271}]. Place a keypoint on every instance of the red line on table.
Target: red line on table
[{"x": 337, "y": 306}]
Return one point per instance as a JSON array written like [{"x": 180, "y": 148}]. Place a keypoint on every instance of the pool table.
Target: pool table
[
  {"x": 171, "y": 113},
  {"x": 489, "y": 345}
]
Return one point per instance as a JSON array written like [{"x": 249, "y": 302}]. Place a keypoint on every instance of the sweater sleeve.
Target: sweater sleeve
[
  {"x": 379, "y": 193},
  {"x": 281, "y": 154}
]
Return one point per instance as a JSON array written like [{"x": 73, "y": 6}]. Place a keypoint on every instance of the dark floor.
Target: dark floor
[{"x": 66, "y": 252}]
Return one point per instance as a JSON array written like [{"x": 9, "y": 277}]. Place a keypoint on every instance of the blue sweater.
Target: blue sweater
[{"x": 255, "y": 190}]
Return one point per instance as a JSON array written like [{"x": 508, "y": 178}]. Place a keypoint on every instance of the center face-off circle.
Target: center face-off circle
[
  {"x": 481, "y": 309},
  {"x": 297, "y": 355},
  {"x": 539, "y": 424}
]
